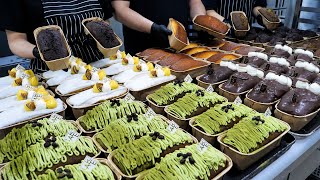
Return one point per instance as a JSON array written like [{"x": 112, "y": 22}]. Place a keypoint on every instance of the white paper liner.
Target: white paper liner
[
  {"x": 144, "y": 81},
  {"x": 127, "y": 75},
  {"x": 117, "y": 68},
  {"x": 105, "y": 62}
]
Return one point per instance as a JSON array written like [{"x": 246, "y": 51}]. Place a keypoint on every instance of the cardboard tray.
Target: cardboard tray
[
  {"x": 106, "y": 151},
  {"x": 4, "y": 131},
  {"x": 258, "y": 106},
  {"x": 296, "y": 122},
  {"x": 239, "y": 33},
  {"x": 174, "y": 42},
  {"x": 194, "y": 72},
  {"x": 241, "y": 160},
  {"x": 286, "y": 142},
  {"x": 269, "y": 25},
  {"x": 64, "y": 97},
  {"x": 219, "y": 176},
  {"x": 56, "y": 64},
  {"x": 116, "y": 175},
  {"x": 308, "y": 129},
  {"x": 206, "y": 85},
  {"x": 107, "y": 52},
  {"x": 231, "y": 96},
  {"x": 210, "y": 31},
  {"x": 79, "y": 111},
  {"x": 110, "y": 158}
]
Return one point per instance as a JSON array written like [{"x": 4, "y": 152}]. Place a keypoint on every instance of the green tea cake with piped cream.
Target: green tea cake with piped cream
[
  {"x": 127, "y": 129},
  {"x": 221, "y": 117}
]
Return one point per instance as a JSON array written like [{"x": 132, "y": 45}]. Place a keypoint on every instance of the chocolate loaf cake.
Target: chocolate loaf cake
[
  {"x": 52, "y": 44},
  {"x": 103, "y": 33},
  {"x": 274, "y": 67},
  {"x": 240, "y": 21},
  {"x": 240, "y": 82},
  {"x": 269, "y": 14},
  {"x": 217, "y": 74}
]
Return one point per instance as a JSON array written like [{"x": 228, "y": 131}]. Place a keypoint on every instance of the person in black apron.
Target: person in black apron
[
  {"x": 145, "y": 21},
  {"x": 19, "y": 18},
  {"x": 221, "y": 9}
]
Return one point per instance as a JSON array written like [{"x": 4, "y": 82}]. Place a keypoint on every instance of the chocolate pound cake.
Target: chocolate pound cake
[
  {"x": 217, "y": 74},
  {"x": 269, "y": 14},
  {"x": 52, "y": 45},
  {"x": 240, "y": 82},
  {"x": 240, "y": 21},
  {"x": 103, "y": 33}
]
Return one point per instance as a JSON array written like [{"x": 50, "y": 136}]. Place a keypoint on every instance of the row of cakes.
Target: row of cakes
[
  {"x": 23, "y": 98},
  {"x": 266, "y": 81}
]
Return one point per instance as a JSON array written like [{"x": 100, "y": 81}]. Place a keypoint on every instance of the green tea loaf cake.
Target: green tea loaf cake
[
  {"x": 189, "y": 163},
  {"x": 75, "y": 171},
  {"x": 19, "y": 139},
  {"x": 127, "y": 129},
  {"x": 169, "y": 93},
  {"x": 188, "y": 105},
  {"x": 45, "y": 154},
  {"x": 253, "y": 132},
  {"x": 102, "y": 115},
  {"x": 221, "y": 117},
  {"x": 142, "y": 154}
]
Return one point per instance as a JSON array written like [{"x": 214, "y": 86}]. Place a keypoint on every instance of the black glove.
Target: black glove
[
  {"x": 35, "y": 52},
  {"x": 260, "y": 21},
  {"x": 160, "y": 33}
]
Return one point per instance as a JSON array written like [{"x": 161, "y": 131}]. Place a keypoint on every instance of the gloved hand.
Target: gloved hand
[
  {"x": 160, "y": 33},
  {"x": 260, "y": 21},
  {"x": 35, "y": 52}
]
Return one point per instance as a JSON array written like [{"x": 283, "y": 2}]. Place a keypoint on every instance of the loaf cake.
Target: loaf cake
[
  {"x": 205, "y": 54},
  {"x": 172, "y": 59},
  {"x": 211, "y": 23},
  {"x": 218, "y": 73},
  {"x": 187, "y": 64},
  {"x": 308, "y": 33},
  {"x": 262, "y": 38},
  {"x": 277, "y": 65},
  {"x": 194, "y": 50},
  {"x": 178, "y": 31},
  {"x": 51, "y": 44},
  {"x": 269, "y": 15},
  {"x": 256, "y": 59},
  {"x": 103, "y": 33},
  {"x": 158, "y": 56},
  {"x": 244, "y": 50},
  {"x": 215, "y": 43},
  {"x": 230, "y": 46},
  {"x": 217, "y": 58},
  {"x": 148, "y": 52},
  {"x": 294, "y": 37},
  {"x": 240, "y": 21}
]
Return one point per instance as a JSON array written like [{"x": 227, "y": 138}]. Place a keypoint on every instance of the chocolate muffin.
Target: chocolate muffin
[
  {"x": 269, "y": 14},
  {"x": 276, "y": 40},
  {"x": 52, "y": 44},
  {"x": 216, "y": 74},
  {"x": 299, "y": 102},
  {"x": 103, "y": 33},
  {"x": 296, "y": 73},
  {"x": 240, "y": 82},
  {"x": 268, "y": 91},
  {"x": 294, "y": 37},
  {"x": 274, "y": 67},
  {"x": 240, "y": 21},
  {"x": 308, "y": 33},
  {"x": 263, "y": 38}
]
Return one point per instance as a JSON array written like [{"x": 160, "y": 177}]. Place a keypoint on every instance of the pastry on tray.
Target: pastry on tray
[
  {"x": 187, "y": 65},
  {"x": 215, "y": 43},
  {"x": 153, "y": 78},
  {"x": 21, "y": 97},
  {"x": 101, "y": 91},
  {"x": 211, "y": 23},
  {"x": 189, "y": 163},
  {"x": 13, "y": 74},
  {"x": 171, "y": 92},
  {"x": 142, "y": 68},
  {"x": 170, "y": 60},
  {"x": 76, "y": 171},
  {"x": 113, "y": 59},
  {"x": 303, "y": 70},
  {"x": 269, "y": 14},
  {"x": 205, "y": 54},
  {"x": 128, "y": 129},
  {"x": 302, "y": 100},
  {"x": 302, "y": 55},
  {"x": 127, "y": 63},
  {"x": 52, "y": 151},
  {"x": 142, "y": 154},
  {"x": 30, "y": 109},
  {"x": 218, "y": 73},
  {"x": 195, "y": 50},
  {"x": 256, "y": 59},
  {"x": 245, "y": 50},
  {"x": 51, "y": 44},
  {"x": 103, "y": 33},
  {"x": 230, "y": 46},
  {"x": 240, "y": 21},
  {"x": 246, "y": 137},
  {"x": 217, "y": 58},
  {"x": 187, "y": 106},
  {"x": 271, "y": 89},
  {"x": 108, "y": 111},
  {"x": 243, "y": 80},
  {"x": 20, "y": 139},
  {"x": 158, "y": 56},
  {"x": 221, "y": 117},
  {"x": 277, "y": 65}
]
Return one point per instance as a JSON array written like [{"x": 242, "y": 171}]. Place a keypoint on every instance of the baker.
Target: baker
[
  {"x": 19, "y": 18},
  {"x": 145, "y": 21}
]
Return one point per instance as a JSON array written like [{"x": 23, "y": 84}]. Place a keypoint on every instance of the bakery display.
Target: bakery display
[
  {"x": 211, "y": 23},
  {"x": 303, "y": 70},
  {"x": 51, "y": 44},
  {"x": 256, "y": 59},
  {"x": 216, "y": 73},
  {"x": 239, "y": 21},
  {"x": 277, "y": 65},
  {"x": 217, "y": 58},
  {"x": 128, "y": 129},
  {"x": 189, "y": 163},
  {"x": 187, "y": 106},
  {"x": 113, "y": 59},
  {"x": 45, "y": 154},
  {"x": 220, "y": 118},
  {"x": 103, "y": 33},
  {"x": 111, "y": 110},
  {"x": 142, "y": 68},
  {"x": 127, "y": 63},
  {"x": 142, "y": 154},
  {"x": 20, "y": 139}
]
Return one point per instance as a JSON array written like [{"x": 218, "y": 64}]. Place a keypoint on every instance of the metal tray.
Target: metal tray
[
  {"x": 287, "y": 141},
  {"x": 308, "y": 129}
]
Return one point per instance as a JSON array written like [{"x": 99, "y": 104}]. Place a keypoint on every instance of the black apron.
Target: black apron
[
  {"x": 68, "y": 14},
  {"x": 158, "y": 11}
]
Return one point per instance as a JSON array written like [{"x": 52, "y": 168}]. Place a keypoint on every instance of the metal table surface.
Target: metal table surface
[{"x": 293, "y": 158}]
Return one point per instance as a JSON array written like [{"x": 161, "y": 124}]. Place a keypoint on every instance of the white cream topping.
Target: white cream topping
[
  {"x": 306, "y": 52},
  {"x": 280, "y": 61},
  {"x": 40, "y": 105},
  {"x": 119, "y": 56},
  {"x": 19, "y": 73},
  {"x": 95, "y": 76},
  {"x": 31, "y": 94},
  {"x": 259, "y": 55},
  {"x": 224, "y": 63},
  {"x": 160, "y": 73},
  {"x": 307, "y": 66},
  {"x": 302, "y": 85},
  {"x": 280, "y": 79},
  {"x": 106, "y": 87},
  {"x": 144, "y": 67},
  {"x": 241, "y": 68},
  {"x": 284, "y": 48},
  {"x": 315, "y": 88},
  {"x": 25, "y": 81}
]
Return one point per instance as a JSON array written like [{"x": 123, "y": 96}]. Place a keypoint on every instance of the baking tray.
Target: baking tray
[
  {"x": 308, "y": 129},
  {"x": 286, "y": 142}
]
